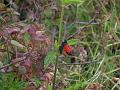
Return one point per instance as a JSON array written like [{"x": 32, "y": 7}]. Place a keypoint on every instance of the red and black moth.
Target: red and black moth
[{"x": 67, "y": 49}]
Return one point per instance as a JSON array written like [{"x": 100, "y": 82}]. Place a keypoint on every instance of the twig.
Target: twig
[
  {"x": 83, "y": 22},
  {"x": 17, "y": 60},
  {"x": 8, "y": 54},
  {"x": 53, "y": 36},
  {"x": 91, "y": 21},
  {"x": 64, "y": 32},
  {"x": 67, "y": 79},
  {"x": 90, "y": 62},
  {"x": 81, "y": 29},
  {"x": 4, "y": 50},
  {"x": 31, "y": 81}
]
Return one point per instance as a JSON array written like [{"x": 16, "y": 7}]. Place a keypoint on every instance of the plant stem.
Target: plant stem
[
  {"x": 8, "y": 53},
  {"x": 59, "y": 39}
]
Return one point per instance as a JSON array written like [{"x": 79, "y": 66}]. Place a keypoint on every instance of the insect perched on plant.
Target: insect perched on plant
[{"x": 65, "y": 47}]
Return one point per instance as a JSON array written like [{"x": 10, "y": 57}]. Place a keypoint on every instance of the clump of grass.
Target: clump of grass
[
  {"x": 102, "y": 42},
  {"x": 9, "y": 82}
]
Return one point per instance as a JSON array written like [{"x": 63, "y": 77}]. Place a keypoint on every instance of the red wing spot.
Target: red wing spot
[{"x": 67, "y": 49}]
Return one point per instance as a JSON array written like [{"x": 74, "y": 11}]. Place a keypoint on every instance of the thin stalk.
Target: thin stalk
[
  {"x": 59, "y": 39},
  {"x": 8, "y": 53}
]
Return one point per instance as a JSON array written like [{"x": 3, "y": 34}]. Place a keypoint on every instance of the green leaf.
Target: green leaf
[
  {"x": 49, "y": 87},
  {"x": 56, "y": 44},
  {"x": 49, "y": 58},
  {"x": 73, "y": 1},
  {"x": 16, "y": 43},
  {"x": 72, "y": 41},
  {"x": 117, "y": 52},
  {"x": 48, "y": 12},
  {"x": 16, "y": 13},
  {"x": 27, "y": 38}
]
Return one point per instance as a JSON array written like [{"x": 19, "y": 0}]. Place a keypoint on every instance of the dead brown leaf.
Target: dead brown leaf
[
  {"x": 30, "y": 88},
  {"x": 117, "y": 80},
  {"x": 95, "y": 86}
]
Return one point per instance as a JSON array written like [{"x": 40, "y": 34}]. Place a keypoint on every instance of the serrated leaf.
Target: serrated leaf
[
  {"x": 73, "y": 1},
  {"x": 72, "y": 41},
  {"x": 16, "y": 43},
  {"x": 49, "y": 58}
]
